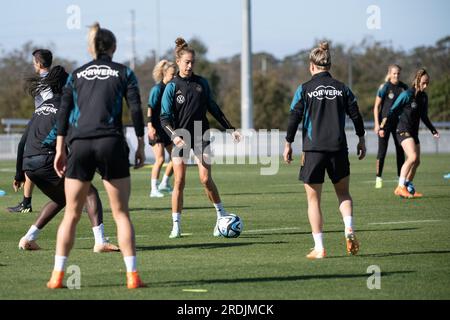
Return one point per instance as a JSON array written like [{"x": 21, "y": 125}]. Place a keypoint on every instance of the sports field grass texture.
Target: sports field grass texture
[{"x": 408, "y": 241}]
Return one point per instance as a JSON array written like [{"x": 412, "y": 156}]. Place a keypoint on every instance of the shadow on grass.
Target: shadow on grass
[
  {"x": 393, "y": 254},
  {"x": 326, "y": 231},
  {"x": 169, "y": 209},
  {"x": 203, "y": 245},
  {"x": 271, "y": 279}
]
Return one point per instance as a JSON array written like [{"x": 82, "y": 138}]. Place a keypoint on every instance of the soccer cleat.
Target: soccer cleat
[
  {"x": 417, "y": 194},
  {"x": 316, "y": 254},
  {"x": 352, "y": 243},
  {"x": 134, "y": 281},
  {"x": 403, "y": 192},
  {"x": 56, "y": 280},
  {"x": 216, "y": 232},
  {"x": 25, "y": 244},
  {"x": 378, "y": 183},
  {"x": 165, "y": 188},
  {"x": 105, "y": 247},
  {"x": 175, "y": 234},
  {"x": 20, "y": 208},
  {"x": 156, "y": 194}
]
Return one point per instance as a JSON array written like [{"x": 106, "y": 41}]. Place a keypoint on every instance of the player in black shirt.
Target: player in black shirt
[
  {"x": 410, "y": 107},
  {"x": 92, "y": 107},
  {"x": 322, "y": 103},
  {"x": 35, "y": 158},
  {"x": 39, "y": 89},
  {"x": 186, "y": 100},
  {"x": 386, "y": 95},
  {"x": 163, "y": 72}
]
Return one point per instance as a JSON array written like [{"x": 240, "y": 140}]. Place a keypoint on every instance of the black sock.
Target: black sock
[{"x": 26, "y": 201}]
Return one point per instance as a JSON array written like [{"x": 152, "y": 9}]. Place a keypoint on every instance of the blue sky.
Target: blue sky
[{"x": 280, "y": 27}]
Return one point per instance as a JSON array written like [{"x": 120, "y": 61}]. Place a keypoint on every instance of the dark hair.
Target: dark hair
[
  {"x": 55, "y": 80},
  {"x": 44, "y": 57},
  {"x": 100, "y": 40},
  {"x": 182, "y": 47}
]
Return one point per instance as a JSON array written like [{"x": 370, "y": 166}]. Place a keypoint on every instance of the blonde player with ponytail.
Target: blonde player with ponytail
[
  {"x": 323, "y": 103},
  {"x": 163, "y": 72}
]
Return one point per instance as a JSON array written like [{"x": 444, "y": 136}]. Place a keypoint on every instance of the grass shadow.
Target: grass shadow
[
  {"x": 270, "y": 279},
  {"x": 206, "y": 246}
]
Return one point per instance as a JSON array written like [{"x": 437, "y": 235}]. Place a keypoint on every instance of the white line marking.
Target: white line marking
[{"x": 400, "y": 222}]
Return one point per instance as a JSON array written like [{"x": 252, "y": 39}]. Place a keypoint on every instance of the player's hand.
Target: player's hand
[
  {"x": 236, "y": 136},
  {"x": 381, "y": 133},
  {"x": 361, "y": 148},
  {"x": 436, "y": 135},
  {"x": 60, "y": 163},
  {"x": 179, "y": 142},
  {"x": 287, "y": 154},
  {"x": 17, "y": 185},
  {"x": 151, "y": 133},
  {"x": 376, "y": 128},
  {"x": 139, "y": 156}
]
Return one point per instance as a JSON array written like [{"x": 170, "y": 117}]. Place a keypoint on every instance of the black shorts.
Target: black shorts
[
  {"x": 314, "y": 164},
  {"x": 199, "y": 146},
  {"x": 39, "y": 169},
  {"x": 107, "y": 155},
  {"x": 161, "y": 137},
  {"x": 403, "y": 135}
]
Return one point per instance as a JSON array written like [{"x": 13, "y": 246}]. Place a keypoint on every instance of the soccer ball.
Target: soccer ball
[{"x": 230, "y": 226}]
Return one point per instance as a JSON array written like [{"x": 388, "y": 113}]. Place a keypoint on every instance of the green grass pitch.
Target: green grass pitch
[{"x": 409, "y": 240}]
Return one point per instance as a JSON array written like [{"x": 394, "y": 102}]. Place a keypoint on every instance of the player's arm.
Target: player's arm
[
  {"x": 352, "y": 110},
  {"x": 426, "y": 120},
  {"x": 133, "y": 98},
  {"x": 377, "y": 106},
  {"x": 295, "y": 117},
  {"x": 152, "y": 102},
  {"x": 167, "y": 116},
  {"x": 19, "y": 178},
  {"x": 395, "y": 110}
]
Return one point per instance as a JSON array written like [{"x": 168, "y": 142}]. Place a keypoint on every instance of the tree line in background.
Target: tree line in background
[{"x": 274, "y": 80}]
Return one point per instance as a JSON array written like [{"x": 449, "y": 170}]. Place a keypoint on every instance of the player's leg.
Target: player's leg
[
  {"x": 158, "y": 151},
  {"x": 346, "y": 208},
  {"x": 179, "y": 172},
  {"x": 412, "y": 173},
  {"x": 25, "y": 205},
  {"x": 409, "y": 148},
  {"x": 382, "y": 150},
  {"x": 76, "y": 192},
  {"x": 204, "y": 171},
  {"x": 53, "y": 187},
  {"x": 94, "y": 210},
  {"x": 399, "y": 153},
  {"x": 313, "y": 195},
  {"x": 165, "y": 184}
]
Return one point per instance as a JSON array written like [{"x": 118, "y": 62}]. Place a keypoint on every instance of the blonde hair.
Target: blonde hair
[
  {"x": 320, "y": 56},
  {"x": 419, "y": 74},
  {"x": 182, "y": 47},
  {"x": 160, "y": 69},
  {"x": 100, "y": 40},
  {"x": 391, "y": 66}
]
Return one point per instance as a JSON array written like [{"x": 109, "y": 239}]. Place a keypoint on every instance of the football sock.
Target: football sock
[
  {"x": 318, "y": 241},
  {"x": 401, "y": 181},
  {"x": 154, "y": 184},
  {"x": 99, "y": 234},
  {"x": 165, "y": 180},
  {"x": 219, "y": 209},
  {"x": 32, "y": 233},
  {"x": 130, "y": 263},
  {"x": 348, "y": 223},
  {"x": 60, "y": 262},
  {"x": 176, "y": 218},
  {"x": 26, "y": 201}
]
